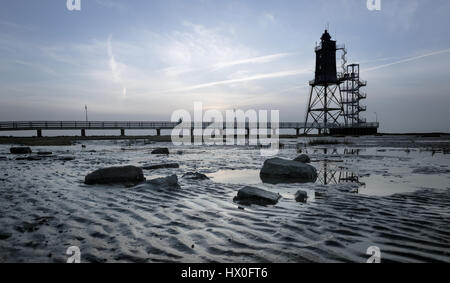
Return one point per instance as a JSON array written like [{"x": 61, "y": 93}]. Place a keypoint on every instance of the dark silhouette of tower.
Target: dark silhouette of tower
[
  {"x": 334, "y": 101},
  {"x": 324, "y": 107},
  {"x": 352, "y": 96}
]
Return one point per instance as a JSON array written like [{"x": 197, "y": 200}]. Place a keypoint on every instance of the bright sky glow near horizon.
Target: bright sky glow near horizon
[{"x": 142, "y": 60}]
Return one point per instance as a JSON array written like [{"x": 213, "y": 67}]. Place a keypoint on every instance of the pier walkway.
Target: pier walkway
[{"x": 39, "y": 126}]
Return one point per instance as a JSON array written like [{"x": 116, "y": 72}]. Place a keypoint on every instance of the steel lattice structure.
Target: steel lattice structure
[
  {"x": 325, "y": 98},
  {"x": 334, "y": 99}
]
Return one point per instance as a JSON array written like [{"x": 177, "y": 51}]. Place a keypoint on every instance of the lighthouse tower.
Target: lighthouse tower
[{"x": 325, "y": 107}]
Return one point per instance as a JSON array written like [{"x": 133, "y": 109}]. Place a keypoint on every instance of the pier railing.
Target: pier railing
[{"x": 143, "y": 125}]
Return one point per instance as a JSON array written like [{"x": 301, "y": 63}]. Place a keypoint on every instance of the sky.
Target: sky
[{"x": 144, "y": 59}]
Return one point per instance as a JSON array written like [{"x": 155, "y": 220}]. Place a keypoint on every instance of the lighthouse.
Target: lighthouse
[
  {"x": 334, "y": 104},
  {"x": 324, "y": 107}
]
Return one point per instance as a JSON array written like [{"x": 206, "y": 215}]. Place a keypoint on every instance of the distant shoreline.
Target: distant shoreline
[{"x": 70, "y": 140}]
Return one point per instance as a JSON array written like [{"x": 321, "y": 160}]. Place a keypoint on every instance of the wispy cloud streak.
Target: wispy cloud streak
[
  {"x": 255, "y": 60},
  {"x": 408, "y": 60},
  {"x": 246, "y": 79},
  {"x": 114, "y": 67}
]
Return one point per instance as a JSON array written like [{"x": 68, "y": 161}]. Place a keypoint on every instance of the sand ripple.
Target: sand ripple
[{"x": 46, "y": 209}]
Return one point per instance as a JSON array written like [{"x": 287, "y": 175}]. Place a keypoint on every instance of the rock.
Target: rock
[
  {"x": 251, "y": 195},
  {"x": 3, "y": 158},
  {"x": 45, "y": 153},
  {"x": 431, "y": 170},
  {"x": 277, "y": 170},
  {"x": 20, "y": 150},
  {"x": 67, "y": 158},
  {"x": 161, "y": 166},
  {"x": 29, "y": 158},
  {"x": 5, "y": 236},
  {"x": 301, "y": 196},
  {"x": 303, "y": 158},
  {"x": 161, "y": 151},
  {"x": 126, "y": 174},
  {"x": 320, "y": 194},
  {"x": 195, "y": 176},
  {"x": 167, "y": 183}
]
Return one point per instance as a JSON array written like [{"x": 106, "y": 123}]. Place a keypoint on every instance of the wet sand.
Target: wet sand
[{"x": 390, "y": 192}]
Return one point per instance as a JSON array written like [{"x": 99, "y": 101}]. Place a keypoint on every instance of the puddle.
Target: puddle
[
  {"x": 236, "y": 177},
  {"x": 392, "y": 182}
]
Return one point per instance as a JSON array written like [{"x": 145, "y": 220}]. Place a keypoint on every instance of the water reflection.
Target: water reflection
[
  {"x": 334, "y": 151},
  {"x": 330, "y": 174}
]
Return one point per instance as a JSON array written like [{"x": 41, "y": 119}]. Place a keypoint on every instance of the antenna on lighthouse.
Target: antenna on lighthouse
[{"x": 86, "y": 110}]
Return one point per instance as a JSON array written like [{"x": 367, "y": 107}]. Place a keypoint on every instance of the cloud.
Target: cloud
[
  {"x": 408, "y": 60},
  {"x": 268, "y": 18},
  {"x": 111, "y": 4},
  {"x": 245, "y": 79},
  {"x": 401, "y": 14},
  {"x": 255, "y": 60},
  {"x": 114, "y": 66},
  {"x": 37, "y": 66}
]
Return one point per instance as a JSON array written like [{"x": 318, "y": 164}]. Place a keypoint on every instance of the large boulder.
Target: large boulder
[
  {"x": 303, "y": 159},
  {"x": 277, "y": 170},
  {"x": 112, "y": 175},
  {"x": 161, "y": 166},
  {"x": 161, "y": 151},
  {"x": 20, "y": 150},
  {"x": 167, "y": 183},
  {"x": 251, "y": 195}
]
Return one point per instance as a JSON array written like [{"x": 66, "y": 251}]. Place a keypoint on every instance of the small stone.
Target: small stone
[
  {"x": 195, "y": 176},
  {"x": 67, "y": 158},
  {"x": 161, "y": 151},
  {"x": 20, "y": 150},
  {"x": 251, "y": 195},
  {"x": 161, "y": 166},
  {"x": 5, "y": 236},
  {"x": 168, "y": 183},
  {"x": 301, "y": 196}
]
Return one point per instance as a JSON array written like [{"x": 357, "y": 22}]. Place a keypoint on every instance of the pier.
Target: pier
[{"x": 83, "y": 126}]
